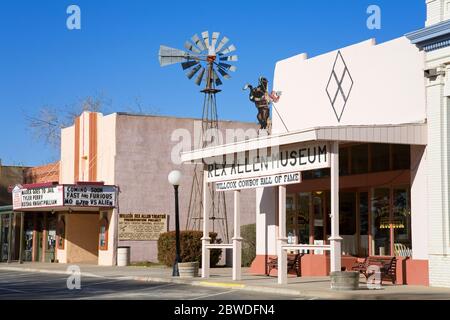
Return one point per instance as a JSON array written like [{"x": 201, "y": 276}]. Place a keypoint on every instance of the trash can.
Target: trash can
[{"x": 123, "y": 256}]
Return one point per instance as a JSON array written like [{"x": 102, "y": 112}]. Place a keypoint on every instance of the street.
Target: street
[{"x": 16, "y": 285}]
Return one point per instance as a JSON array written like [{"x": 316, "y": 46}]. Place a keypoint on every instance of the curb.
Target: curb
[{"x": 335, "y": 295}]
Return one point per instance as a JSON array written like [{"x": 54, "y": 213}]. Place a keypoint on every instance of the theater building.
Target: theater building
[
  {"x": 367, "y": 131},
  {"x": 110, "y": 189}
]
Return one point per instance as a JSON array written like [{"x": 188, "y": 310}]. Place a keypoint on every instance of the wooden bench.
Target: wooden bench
[
  {"x": 293, "y": 263},
  {"x": 386, "y": 265}
]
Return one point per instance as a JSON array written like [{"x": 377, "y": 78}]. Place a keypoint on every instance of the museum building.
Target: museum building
[
  {"x": 109, "y": 190},
  {"x": 381, "y": 113}
]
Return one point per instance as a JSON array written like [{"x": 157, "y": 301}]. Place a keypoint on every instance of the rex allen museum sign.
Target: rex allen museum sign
[{"x": 282, "y": 166}]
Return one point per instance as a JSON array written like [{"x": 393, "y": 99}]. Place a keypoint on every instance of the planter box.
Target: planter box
[
  {"x": 344, "y": 280},
  {"x": 188, "y": 269}
]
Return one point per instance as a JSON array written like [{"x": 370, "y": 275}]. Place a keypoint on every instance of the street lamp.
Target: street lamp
[{"x": 175, "y": 179}]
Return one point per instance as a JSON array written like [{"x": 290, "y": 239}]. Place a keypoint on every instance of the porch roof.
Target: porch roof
[{"x": 409, "y": 133}]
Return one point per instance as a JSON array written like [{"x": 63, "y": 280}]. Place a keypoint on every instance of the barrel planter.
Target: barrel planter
[
  {"x": 188, "y": 269},
  {"x": 123, "y": 256},
  {"x": 345, "y": 280}
]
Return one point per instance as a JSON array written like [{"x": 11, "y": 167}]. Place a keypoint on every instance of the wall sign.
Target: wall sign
[
  {"x": 142, "y": 227},
  {"x": 37, "y": 197},
  {"x": 266, "y": 181},
  {"x": 287, "y": 159}
]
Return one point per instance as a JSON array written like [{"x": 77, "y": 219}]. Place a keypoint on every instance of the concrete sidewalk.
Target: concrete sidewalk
[{"x": 313, "y": 287}]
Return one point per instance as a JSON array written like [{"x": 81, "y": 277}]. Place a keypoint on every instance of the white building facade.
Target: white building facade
[
  {"x": 434, "y": 41},
  {"x": 381, "y": 111}
]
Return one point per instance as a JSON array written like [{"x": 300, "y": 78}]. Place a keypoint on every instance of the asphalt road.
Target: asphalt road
[{"x": 15, "y": 285}]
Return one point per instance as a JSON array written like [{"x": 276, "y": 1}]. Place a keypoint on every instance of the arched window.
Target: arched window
[
  {"x": 103, "y": 234},
  {"x": 61, "y": 234}
]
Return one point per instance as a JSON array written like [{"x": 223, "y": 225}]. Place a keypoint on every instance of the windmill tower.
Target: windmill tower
[{"x": 207, "y": 59}]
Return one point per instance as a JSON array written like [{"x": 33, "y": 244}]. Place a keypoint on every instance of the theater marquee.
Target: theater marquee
[{"x": 58, "y": 197}]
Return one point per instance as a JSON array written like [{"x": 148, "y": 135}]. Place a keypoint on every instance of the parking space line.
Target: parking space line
[
  {"x": 12, "y": 290},
  {"x": 211, "y": 295},
  {"x": 124, "y": 293}
]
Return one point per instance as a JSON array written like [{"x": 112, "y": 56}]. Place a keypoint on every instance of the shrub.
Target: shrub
[
  {"x": 248, "y": 234},
  {"x": 190, "y": 247}
]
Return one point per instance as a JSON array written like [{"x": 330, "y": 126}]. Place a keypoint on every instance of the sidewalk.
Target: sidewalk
[{"x": 313, "y": 287}]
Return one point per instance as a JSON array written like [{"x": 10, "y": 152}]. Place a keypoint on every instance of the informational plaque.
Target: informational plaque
[{"x": 142, "y": 226}]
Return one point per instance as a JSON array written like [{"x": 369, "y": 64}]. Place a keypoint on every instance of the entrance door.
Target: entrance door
[{"x": 51, "y": 239}]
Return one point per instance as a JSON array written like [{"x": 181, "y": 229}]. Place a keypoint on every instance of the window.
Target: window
[
  {"x": 380, "y": 158},
  {"x": 343, "y": 161},
  {"x": 103, "y": 234},
  {"x": 360, "y": 157},
  {"x": 401, "y": 221},
  {"x": 347, "y": 213},
  {"x": 303, "y": 217},
  {"x": 61, "y": 234},
  {"x": 401, "y": 157},
  {"x": 381, "y": 221}
]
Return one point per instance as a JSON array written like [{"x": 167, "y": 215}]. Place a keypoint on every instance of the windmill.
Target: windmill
[{"x": 206, "y": 60}]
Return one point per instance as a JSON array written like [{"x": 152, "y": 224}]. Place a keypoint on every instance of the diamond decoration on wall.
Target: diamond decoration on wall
[{"x": 339, "y": 86}]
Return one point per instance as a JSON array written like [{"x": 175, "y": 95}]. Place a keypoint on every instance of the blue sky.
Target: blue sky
[{"x": 115, "y": 54}]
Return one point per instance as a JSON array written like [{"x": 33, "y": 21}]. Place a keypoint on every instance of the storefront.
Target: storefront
[
  {"x": 66, "y": 223},
  {"x": 366, "y": 103}
]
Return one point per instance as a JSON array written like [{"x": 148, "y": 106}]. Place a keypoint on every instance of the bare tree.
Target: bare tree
[{"x": 46, "y": 125}]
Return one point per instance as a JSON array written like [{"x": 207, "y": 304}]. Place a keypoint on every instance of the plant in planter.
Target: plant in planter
[{"x": 190, "y": 251}]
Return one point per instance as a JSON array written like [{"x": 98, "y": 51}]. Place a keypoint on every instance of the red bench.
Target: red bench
[
  {"x": 293, "y": 263},
  {"x": 386, "y": 265}
]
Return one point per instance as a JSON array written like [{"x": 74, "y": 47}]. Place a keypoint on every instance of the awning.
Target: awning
[{"x": 411, "y": 134}]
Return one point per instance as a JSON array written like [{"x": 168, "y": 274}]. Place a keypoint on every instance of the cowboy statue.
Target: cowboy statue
[{"x": 262, "y": 99}]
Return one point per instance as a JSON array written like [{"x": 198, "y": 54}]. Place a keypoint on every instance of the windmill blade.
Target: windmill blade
[
  {"x": 216, "y": 78},
  {"x": 231, "y": 48},
  {"x": 224, "y": 73},
  {"x": 199, "y": 43},
  {"x": 169, "y": 56},
  {"x": 193, "y": 71},
  {"x": 229, "y": 58},
  {"x": 205, "y": 37},
  {"x": 187, "y": 65},
  {"x": 200, "y": 77},
  {"x": 227, "y": 67},
  {"x": 214, "y": 38},
  {"x": 189, "y": 46},
  {"x": 222, "y": 43}
]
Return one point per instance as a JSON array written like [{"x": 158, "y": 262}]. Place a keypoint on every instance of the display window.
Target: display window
[{"x": 103, "y": 234}]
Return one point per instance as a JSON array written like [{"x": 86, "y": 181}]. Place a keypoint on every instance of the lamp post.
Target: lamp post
[{"x": 174, "y": 179}]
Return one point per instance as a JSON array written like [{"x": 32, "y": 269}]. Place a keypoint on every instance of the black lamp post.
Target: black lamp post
[{"x": 174, "y": 179}]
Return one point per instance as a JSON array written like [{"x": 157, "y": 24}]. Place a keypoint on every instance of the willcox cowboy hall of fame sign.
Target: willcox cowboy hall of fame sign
[{"x": 142, "y": 226}]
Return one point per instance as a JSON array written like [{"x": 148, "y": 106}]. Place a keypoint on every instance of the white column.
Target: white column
[
  {"x": 335, "y": 239},
  {"x": 237, "y": 240},
  {"x": 205, "y": 239},
  {"x": 282, "y": 239}
]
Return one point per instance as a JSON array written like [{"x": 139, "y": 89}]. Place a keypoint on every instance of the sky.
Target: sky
[{"x": 115, "y": 54}]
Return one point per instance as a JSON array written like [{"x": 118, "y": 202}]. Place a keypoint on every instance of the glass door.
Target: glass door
[{"x": 51, "y": 239}]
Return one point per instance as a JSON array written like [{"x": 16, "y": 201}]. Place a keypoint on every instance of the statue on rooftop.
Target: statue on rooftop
[{"x": 262, "y": 99}]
